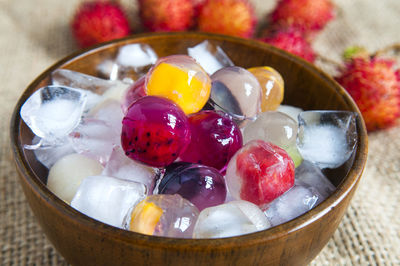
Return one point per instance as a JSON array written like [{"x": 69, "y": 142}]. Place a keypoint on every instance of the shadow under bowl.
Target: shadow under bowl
[{"x": 85, "y": 241}]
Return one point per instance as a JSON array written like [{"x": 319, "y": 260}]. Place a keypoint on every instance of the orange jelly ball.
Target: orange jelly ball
[
  {"x": 180, "y": 79},
  {"x": 272, "y": 87}
]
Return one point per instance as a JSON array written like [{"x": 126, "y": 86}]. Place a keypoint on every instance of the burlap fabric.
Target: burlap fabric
[{"x": 35, "y": 34}]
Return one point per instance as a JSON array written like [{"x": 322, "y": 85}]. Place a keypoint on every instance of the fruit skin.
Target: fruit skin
[
  {"x": 374, "y": 85},
  {"x": 291, "y": 40},
  {"x": 99, "y": 21},
  {"x": 231, "y": 17},
  {"x": 154, "y": 131},
  {"x": 166, "y": 15},
  {"x": 198, "y": 5},
  {"x": 305, "y": 15}
]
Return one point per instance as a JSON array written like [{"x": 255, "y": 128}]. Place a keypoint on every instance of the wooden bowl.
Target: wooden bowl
[{"x": 84, "y": 241}]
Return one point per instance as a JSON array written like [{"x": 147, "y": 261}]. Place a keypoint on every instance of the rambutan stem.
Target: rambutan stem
[
  {"x": 395, "y": 48},
  {"x": 329, "y": 61}
]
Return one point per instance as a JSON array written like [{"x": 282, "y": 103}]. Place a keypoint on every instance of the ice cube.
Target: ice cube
[
  {"x": 209, "y": 56},
  {"x": 108, "y": 111},
  {"x": 122, "y": 167},
  {"x": 52, "y": 112},
  {"x": 291, "y": 111},
  {"x": 97, "y": 89},
  {"x": 136, "y": 55},
  {"x": 107, "y": 199},
  {"x": 48, "y": 155},
  {"x": 327, "y": 138},
  {"x": 310, "y": 174},
  {"x": 82, "y": 81},
  {"x": 132, "y": 61},
  {"x": 95, "y": 138},
  {"x": 108, "y": 69},
  {"x": 295, "y": 202},
  {"x": 230, "y": 219},
  {"x": 67, "y": 174}
]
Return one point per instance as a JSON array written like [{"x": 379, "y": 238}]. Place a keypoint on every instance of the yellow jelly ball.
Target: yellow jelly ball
[
  {"x": 272, "y": 86},
  {"x": 145, "y": 217},
  {"x": 187, "y": 84}
]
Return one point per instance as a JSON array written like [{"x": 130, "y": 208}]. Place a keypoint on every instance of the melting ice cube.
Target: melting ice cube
[
  {"x": 92, "y": 85},
  {"x": 310, "y": 174},
  {"x": 327, "y": 138},
  {"x": 209, "y": 56},
  {"x": 53, "y": 112},
  {"x": 108, "y": 111},
  {"x": 122, "y": 167},
  {"x": 132, "y": 61},
  {"x": 295, "y": 202},
  {"x": 136, "y": 55},
  {"x": 95, "y": 138},
  {"x": 230, "y": 219},
  {"x": 107, "y": 199},
  {"x": 48, "y": 155}
]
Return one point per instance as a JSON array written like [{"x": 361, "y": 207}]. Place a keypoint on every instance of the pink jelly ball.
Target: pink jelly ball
[
  {"x": 215, "y": 139},
  {"x": 154, "y": 131}
]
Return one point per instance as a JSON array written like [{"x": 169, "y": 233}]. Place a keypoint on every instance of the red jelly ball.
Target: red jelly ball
[
  {"x": 215, "y": 139},
  {"x": 260, "y": 172},
  {"x": 154, "y": 131}
]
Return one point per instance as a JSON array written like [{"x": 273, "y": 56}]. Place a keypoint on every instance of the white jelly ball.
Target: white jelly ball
[{"x": 67, "y": 174}]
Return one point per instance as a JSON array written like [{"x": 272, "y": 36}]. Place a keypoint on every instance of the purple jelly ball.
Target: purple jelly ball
[
  {"x": 154, "y": 131},
  {"x": 215, "y": 139},
  {"x": 202, "y": 185}
]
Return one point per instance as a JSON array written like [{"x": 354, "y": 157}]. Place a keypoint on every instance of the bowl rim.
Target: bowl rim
[{"x": 41, "y": 190}]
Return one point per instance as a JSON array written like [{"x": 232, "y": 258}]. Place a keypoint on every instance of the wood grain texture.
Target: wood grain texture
[{"x": 84, "y": 241}]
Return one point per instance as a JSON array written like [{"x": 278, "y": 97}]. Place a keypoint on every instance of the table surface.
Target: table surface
[{"x": 35, "y": 34}]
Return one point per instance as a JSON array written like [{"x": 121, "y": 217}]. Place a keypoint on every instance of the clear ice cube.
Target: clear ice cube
[
  {"x": 52, "y": 112},
  {"x": 210, "y": 57},
  {"x": 82, "y": 81},
  {"x": 97, "y": 89},
  {"x": 136, "y": 55},
  {"x": 108, "y": 111},
  {"x": 295, "y": 202},
  {"x": 48, "y": 155},
  {"x": 327, "y": 138},
  {"x": 310, "y": 174},
  {"x": 107, "y": 199},
  {"x": 96, "y": 139},
  {"x": 230, "y": 219},
  {"x": 120, "y": 166},
  {"x": 132, "y": 61}
]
